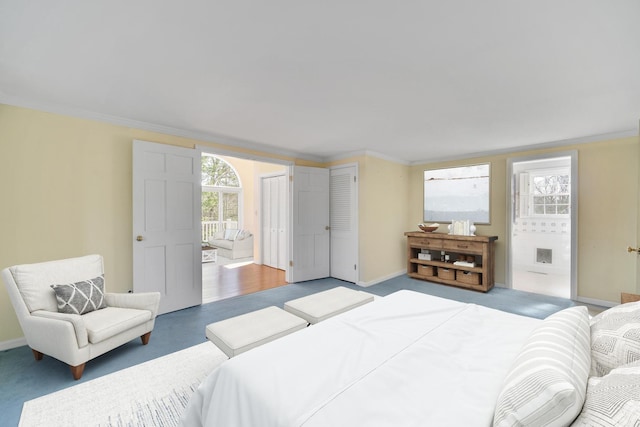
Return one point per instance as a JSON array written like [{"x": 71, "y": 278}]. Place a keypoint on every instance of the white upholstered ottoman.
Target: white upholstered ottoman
[
  {"x": 320, "y": 306},
  {"x": 241, "y": 333}
]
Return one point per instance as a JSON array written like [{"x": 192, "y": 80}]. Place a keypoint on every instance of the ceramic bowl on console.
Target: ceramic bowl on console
[{"x": 428, "y": 228}]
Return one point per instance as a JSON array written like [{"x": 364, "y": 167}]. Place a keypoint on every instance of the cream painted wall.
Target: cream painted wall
[
  {"x": 384, "y": 188},
  {"x": 66, "y": 189},
  {"x": 608, "y": 213}
]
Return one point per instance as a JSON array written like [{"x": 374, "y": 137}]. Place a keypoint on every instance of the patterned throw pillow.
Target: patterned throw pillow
[
  {"x": 547, "y": 382},
  {"x": 615, "y": 338},
  {"x": 613, "y": 400},
  {"x": 81, "y": 297}
]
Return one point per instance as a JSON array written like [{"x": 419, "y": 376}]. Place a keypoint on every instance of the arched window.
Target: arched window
[{"x": 221, "y": 196}]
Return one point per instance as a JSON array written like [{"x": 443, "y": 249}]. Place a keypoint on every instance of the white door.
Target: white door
[
  {"x": 269, "y": 254},
  {"x": 167, "y": 252},
  {"x": 283, "y": 196},
  {"x": 274, "y": 221},
  {"x": 344, "y": 216},
  {"x": 310, "y": 223}
]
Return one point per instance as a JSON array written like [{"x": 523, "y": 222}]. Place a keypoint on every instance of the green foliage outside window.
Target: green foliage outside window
[
  {"x": 220, "y": 195},
  {"x": 218, "y": 173},
  {"x": 551, "y": 194}
]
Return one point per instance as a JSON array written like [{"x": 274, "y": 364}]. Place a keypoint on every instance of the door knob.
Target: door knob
[
  {"x": 630, "y": 249},
  {"x": 139, "y": 238},
  {"x": 327, "y": 228}
]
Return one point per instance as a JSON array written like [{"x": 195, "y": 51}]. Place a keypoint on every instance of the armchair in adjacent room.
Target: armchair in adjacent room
[{"x": 65, "y": 313}]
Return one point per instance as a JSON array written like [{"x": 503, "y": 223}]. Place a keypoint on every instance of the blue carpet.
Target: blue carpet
[{"x": 22, "y": 378}]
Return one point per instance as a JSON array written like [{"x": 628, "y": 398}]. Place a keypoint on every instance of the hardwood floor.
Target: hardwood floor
[{"x": 226, "y": 281}]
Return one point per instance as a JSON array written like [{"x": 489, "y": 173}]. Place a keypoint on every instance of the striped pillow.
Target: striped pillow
[
  {"x": 546, "y": 384},
  {"x": 613, "y": 400}
]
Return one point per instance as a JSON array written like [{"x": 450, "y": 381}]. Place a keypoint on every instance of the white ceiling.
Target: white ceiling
[{"x": 410, "y": 80}]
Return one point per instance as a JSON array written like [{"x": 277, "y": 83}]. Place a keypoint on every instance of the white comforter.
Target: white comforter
[{"x": 407, "y": 359}]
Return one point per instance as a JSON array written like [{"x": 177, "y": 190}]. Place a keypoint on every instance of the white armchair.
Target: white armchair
[{"x": 75, "y": 338}]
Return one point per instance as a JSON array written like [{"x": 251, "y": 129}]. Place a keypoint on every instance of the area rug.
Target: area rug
[{"x": 154, "y": 393}]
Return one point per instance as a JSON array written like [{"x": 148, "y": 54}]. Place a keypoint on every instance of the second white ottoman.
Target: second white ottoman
[
  {"x": 320, "y": 306},
  {"x": 241, "y": 333}
]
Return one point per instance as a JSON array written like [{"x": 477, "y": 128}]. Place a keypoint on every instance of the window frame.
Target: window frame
[
  {"x": 529, "y": 195},
  {"x": 222, "y": 190}
]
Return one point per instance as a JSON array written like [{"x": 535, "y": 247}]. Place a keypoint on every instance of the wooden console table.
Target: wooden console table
[{"x": 476, "y": 252}]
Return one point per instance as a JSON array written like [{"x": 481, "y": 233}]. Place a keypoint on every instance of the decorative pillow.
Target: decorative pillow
[
  {"x": 615, "y": 338},
  {"x": 546, "y": 384},
  {"x": 218, "y": 235},
  {"x": 230, "y": 233},
  {"x": 243, "y": 234},
  {"x": 81, "y": 297},
  {"x": 613, "y": 400}
]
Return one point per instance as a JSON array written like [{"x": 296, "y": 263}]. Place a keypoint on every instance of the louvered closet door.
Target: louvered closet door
[{"x": 343, "y": 216}]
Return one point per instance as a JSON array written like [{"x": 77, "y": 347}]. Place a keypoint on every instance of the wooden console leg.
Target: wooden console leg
[
  {"x": 145, "y": 338},
  {"x": 37, "y": 354},
  {"x": 77, "y": 371}
]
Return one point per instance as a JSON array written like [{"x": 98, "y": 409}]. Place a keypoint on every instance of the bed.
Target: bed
[{"x": 408, "y": 359}]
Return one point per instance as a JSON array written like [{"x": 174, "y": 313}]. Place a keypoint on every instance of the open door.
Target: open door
[
  {"x": 167, "y": 252},
  {"x": 344, "y": 223},
  {"x": 310, "y": 247}
]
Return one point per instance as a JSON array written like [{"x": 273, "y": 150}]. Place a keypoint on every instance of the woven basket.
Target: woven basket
[
  {"x": 445, "y": 273},
  {"x": 426, "y": 270},
  {"x": 470, "y": 278}
]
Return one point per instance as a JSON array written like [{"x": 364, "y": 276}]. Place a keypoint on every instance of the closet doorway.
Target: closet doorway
[{"x": 542, "y": 227}]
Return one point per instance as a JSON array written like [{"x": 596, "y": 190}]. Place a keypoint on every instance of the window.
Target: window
[
  {"x": 221, "y": 196},
  {"x": 546, "y": 192}
]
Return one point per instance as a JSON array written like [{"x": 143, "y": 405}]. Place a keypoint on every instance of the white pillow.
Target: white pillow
[
  {"x": 243, "y": 234},
  {"x": 612, "y": 400},
  {"x": 547, "y": 382},
  {"x": 230, "y": 233},
  {"x": 615, "y": 338}
]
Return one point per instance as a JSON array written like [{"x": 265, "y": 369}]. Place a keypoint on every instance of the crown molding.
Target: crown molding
[
  {"x": 233, "y": 142},
  {"x": 154, "y": 127},
  {"x": 369, "y": 153},
  {"x": 540, "y": 146}
]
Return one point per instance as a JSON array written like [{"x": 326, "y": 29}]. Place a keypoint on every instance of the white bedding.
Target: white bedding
[{"x": 408, "y": 359}]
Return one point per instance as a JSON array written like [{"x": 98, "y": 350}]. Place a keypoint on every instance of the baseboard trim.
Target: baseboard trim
[
  {"x": 9, "y": 344},
  {"x": 593, "y": 301},
  {"x": 382, "y": 279}
]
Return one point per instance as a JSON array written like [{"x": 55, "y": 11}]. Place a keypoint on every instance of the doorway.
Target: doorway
[
  {"x": 542, "y": 226},
  {"x": 231, "y": 226}
]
